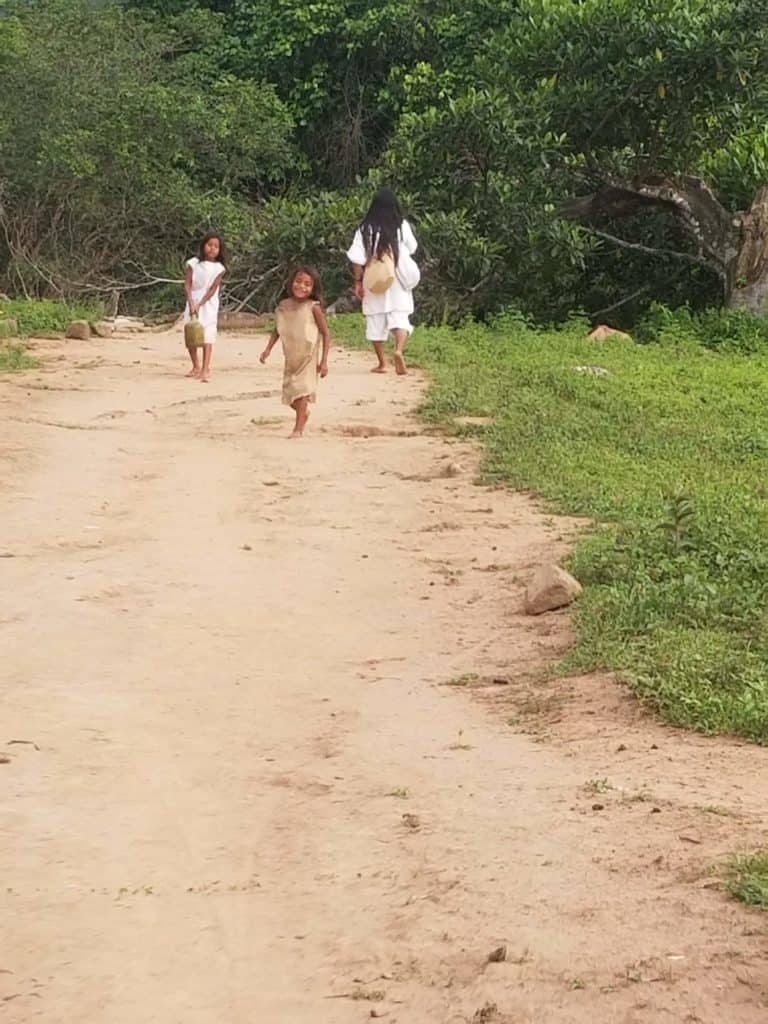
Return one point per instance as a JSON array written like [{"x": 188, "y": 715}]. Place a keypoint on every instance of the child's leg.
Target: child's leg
[
  {"x": 401, "y": 338},
  {"x": 195, "y": 371},
  {"x": 301, "y": 408},
  {"x": 381, "y": 366},
  {"x": 376, "y": 333},
  {"x": 205, "y": 373}
]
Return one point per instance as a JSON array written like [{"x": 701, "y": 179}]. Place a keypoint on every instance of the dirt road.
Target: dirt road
[{"x": 256, "y": 769}]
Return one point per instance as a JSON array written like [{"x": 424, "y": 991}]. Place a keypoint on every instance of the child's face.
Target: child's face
[
  {"x": 302, "y": 286},
  {"x": 212, "y": 248}
]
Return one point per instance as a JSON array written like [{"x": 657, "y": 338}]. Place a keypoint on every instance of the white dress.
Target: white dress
[
  {"x": 395, "y": 299},
  {"x": 204, "y": 273}
]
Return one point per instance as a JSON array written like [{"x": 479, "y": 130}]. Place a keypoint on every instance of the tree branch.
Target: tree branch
[
  {"x": 686, "y": 257},
  {"x": 621, "y": 302}
]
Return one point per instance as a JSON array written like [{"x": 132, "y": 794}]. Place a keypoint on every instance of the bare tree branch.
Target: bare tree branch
[{"x": 623, "y": 243}]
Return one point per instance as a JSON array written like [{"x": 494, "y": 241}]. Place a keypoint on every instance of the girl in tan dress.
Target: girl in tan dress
[{"x": 301, "y": 326}]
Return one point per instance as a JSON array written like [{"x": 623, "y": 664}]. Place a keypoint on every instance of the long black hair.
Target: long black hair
[
  {"x": 223, "y": 254},
  {"x": 381, "y": 225}
]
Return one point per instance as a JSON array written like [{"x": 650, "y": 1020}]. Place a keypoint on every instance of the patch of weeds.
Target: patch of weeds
[
  {"x": 576, "y": 984},
  {"x": 14, "y": 358},
  {"x": 718, "y": 811},
  {"x": 748, "y": 878},
  {"x": 486, "y": 1013},
  {"x": 594, "y": 786},
  {"x": 401, "y": 793},
  {"x": 460, "y": 744},
  {"x": 640, "y": 796},
  {"x": 466, "y": 679}
]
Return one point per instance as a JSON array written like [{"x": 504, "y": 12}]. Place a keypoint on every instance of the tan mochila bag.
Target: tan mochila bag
[
  {"x": 379, "y": 274},
  {"x": 194, "y": 333}
]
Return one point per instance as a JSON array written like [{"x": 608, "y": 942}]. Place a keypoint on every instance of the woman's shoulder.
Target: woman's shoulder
[{"x": 193, "y": 262}]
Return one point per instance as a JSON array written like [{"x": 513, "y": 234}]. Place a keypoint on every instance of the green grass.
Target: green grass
[
  {"x": 42, "y": 316},
  {"x": 748, "y": 878},
  {"x": 667, "y": 454},
  {"x": 14, "y": 358}
]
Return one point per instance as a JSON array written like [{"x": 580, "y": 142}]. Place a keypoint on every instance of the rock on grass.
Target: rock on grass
[{"x": 550, "y": 588}]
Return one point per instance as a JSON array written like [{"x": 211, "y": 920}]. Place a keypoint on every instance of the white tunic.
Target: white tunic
[
  {"x": 204, "y": 273},
  {"x": 395, "y": 299}
]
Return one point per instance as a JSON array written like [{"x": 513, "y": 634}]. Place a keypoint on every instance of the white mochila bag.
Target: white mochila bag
[{"x": 408, "y": 273}]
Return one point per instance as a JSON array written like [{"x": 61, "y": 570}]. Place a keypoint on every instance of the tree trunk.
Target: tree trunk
[
  {"x": 735, "y": 247},
  {"x": 747, "y": 284}
]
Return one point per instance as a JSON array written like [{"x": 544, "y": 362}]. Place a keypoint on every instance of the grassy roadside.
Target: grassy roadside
[
  {"x": 43, "y": 316},
  {"x": 36, "y": 317},
  {"x": 667, "y": 453},
  {"x": 14, "y": 358}
]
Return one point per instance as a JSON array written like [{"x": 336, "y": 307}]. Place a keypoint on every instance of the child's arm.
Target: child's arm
[
  {"x": 188, "y": 289},
  {"x": 270, "y": 345},
  {"x": 325, "y": 334},
  {"x": 212, "y": 290}
]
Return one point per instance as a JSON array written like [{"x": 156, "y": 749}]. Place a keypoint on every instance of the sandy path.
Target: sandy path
[{"x": 227, "y": 655}]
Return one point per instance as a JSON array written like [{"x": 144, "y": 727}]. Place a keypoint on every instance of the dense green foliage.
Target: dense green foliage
[
  {"x": 667, "y": 452},
  {"x": 127, "y": 129},
  {"x": 120, "y": 140}
]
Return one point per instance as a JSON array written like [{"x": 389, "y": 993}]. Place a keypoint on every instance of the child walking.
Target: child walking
[
  {"x": 385, "y": 235},
  {"x": 202, "y": 283},
  {"x": 301, "y": 326}
]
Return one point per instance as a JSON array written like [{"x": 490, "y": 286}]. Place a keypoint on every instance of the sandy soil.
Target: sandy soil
[{"x": 275, "y": 743}]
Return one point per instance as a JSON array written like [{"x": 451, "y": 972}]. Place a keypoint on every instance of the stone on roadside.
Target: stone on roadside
[
  {"x": 602, "y": 332},
  {"x": 80, "y": 330},
  {"x": 129, "y": 324},
  {"x": 9, "y": 328},
  {"x": 103, "y": 328},
  {"x": 451, "y": 469},
  {"x": 550, "y": 588}
]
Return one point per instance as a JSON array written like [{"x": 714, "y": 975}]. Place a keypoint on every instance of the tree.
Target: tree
[
  {"x": 661, "y": 107},
  {"x": 119, "y": 144}
]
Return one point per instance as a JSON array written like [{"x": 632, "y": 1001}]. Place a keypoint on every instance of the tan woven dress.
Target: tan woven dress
[{"x": 298, "y": 332}]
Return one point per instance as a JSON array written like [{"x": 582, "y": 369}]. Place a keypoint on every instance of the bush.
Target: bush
[
  {"x": 732, "y": 330},
  {"x": 43, "y": 316}
]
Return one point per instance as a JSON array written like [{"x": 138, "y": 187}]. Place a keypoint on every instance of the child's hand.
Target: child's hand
[
  {"x": 323, "y": 369},
  {"x": 359, "y": 291},
  {"x": 264, "y": 356}
]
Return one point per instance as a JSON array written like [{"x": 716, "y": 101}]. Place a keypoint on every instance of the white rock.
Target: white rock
[{"x": 550, "y": 588}]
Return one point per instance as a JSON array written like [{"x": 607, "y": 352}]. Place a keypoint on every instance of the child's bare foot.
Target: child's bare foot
[
  {"x": 379, "y": 369},
  {"x": 400, "y": 368},
  {"x": 194, "y": 372},
  {"x": 297, "y": 433},
  {"x": 204, "y": 378}
]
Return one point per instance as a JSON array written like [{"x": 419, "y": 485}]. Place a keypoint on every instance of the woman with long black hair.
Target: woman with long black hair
[{"x": 385, "y": 275}]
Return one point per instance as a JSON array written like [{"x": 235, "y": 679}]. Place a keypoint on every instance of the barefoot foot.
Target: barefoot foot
[
  {"x": 379, "y": 369},
  {"x": 400, "y": 367},
  {"x": 193, "y": 373}
]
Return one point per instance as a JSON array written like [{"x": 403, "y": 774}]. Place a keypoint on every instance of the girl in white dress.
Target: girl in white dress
[
  {"x": 385, "y": 231},
  {"x": 202, "y": 283}
]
